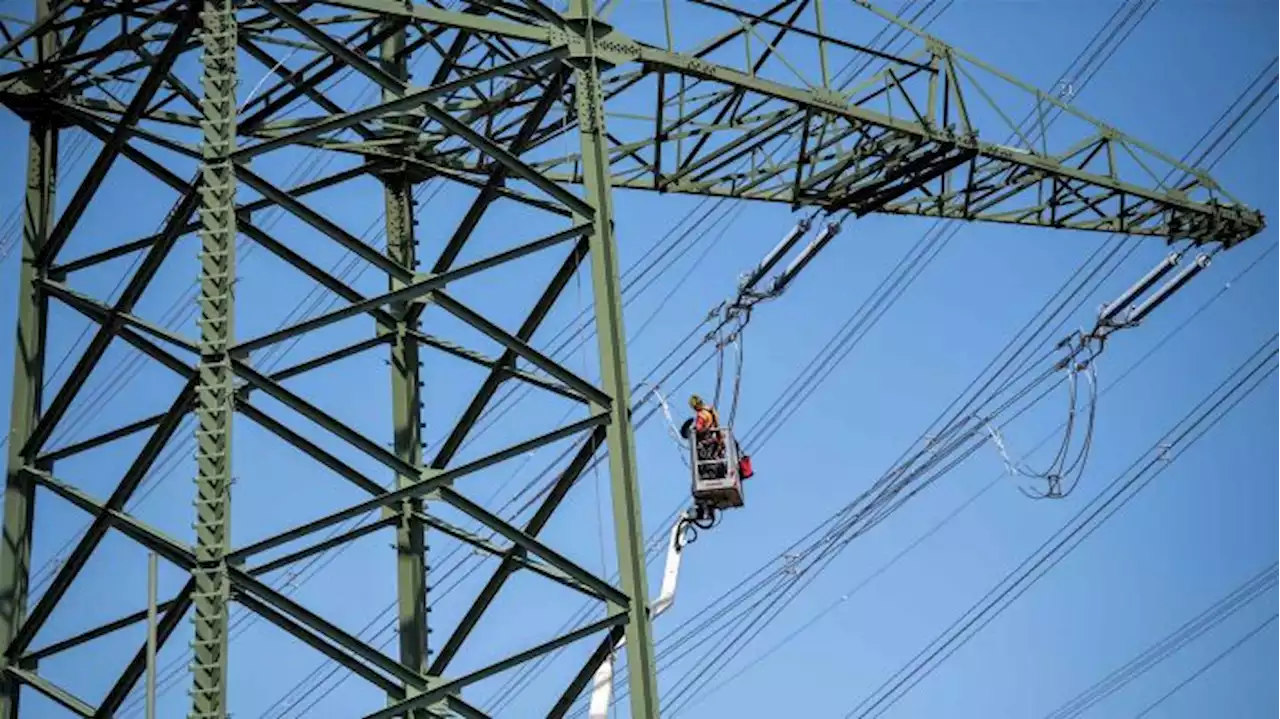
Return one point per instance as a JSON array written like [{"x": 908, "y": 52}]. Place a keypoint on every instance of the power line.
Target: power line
[
  {"x": 1224, "y": 608},
  {"x": 1110, "y": 500},
  {"x": 771, "y": 651},
  {"x": 953, "y": 427},
  {"x": 950, "y": 428},
  {"x": 1209, "y": 665},
  {"x": 662, "y": 381}
]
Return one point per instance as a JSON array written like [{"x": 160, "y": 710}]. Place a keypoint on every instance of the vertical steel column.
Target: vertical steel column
[
  {"x": 406, "y": 400},
  {"x": 28, "y": 378},
  {"x": 153, "y": 579},
  {"x": 607, "y": 291},
  {"x": 214, "y": 395}
]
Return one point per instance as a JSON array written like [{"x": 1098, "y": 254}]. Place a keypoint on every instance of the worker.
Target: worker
[
  {"x": 705, "y": 424},
  {"x": 705, "y": 417}
]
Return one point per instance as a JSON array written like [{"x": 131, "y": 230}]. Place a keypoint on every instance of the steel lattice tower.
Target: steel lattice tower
[{"x": 509, "y": 86}]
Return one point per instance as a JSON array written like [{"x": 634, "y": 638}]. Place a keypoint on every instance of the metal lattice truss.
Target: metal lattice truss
[{"x": 511, "y": 82}]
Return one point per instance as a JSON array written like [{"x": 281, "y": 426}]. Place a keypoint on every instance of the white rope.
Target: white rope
[
  {"x": 1010, "y": 467},
  {"x": 672, "y": 429}
]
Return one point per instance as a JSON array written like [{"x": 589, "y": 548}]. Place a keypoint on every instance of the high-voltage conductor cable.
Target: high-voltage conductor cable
[
  {"x": 1202, "y": 161},
  {"x": 848, "y": 525},
  {"x": 1208, "y": 665},
  {"x": 717, "y": 663},
  {"x": 856, "y": 326},
  {"x": 908, "y": 4},
  {"x": 736, "y": 600},
  {"x": 1201, "y": 418},
  {"x": 974, "y": 447},
  {"x": 1260, "y": 584},
  {"x": 786, "y": 577},
  {"x": 701, "y": 695},
  {"x": 1051, "y": 298},
  {"x": 987, "y": 617},
  {"x": 749, "y": 620},
  {"x": 1225, "y": 133}
]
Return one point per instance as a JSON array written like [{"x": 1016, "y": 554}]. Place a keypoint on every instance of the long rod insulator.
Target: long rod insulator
[
  {"x": 1141, "y": 311},
  {"x": 1148, "y": 281},
  {"x": 806, "y": 256},
  {"x": 775, "y": 255}
]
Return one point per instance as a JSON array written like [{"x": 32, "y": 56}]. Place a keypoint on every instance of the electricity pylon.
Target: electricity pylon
[{"x": 535, "y": 110}]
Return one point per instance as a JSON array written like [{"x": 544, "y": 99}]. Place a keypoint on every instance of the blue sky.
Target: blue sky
[{"x": 1204, "y": 526}]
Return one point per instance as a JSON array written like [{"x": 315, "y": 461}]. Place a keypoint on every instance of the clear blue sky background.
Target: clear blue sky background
[{"x": 1203, "y": 527}]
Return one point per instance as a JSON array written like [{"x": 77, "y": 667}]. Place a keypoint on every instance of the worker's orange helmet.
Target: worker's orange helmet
[{"x": 695, "y": 402}]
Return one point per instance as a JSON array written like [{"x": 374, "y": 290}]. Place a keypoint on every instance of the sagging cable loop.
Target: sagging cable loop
[{"x": 1064, "y": 470}]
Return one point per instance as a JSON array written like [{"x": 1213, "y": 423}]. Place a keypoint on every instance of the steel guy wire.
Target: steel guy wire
[{"x": 834, "y": 535}]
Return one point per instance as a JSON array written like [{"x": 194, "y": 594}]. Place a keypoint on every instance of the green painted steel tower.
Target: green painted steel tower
[{"x": 532, "y": 111}]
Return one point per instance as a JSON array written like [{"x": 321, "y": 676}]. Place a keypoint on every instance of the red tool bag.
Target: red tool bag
[{"x": 744, "y": 467}]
